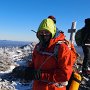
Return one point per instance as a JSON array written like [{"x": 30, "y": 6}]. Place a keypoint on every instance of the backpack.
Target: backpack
[{"x": 78, "y": 38}]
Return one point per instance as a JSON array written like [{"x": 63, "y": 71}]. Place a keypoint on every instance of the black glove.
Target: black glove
[{"x": 33, "y": 74}]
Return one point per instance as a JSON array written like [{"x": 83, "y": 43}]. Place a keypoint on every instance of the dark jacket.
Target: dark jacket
[{"x": 85, "y": 35}]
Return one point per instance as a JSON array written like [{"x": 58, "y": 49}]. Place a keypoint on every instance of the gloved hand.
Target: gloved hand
[{"x": 33, "y": 74}]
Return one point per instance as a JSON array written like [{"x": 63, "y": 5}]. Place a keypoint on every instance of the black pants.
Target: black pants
[{"x": 86, "y": 61}]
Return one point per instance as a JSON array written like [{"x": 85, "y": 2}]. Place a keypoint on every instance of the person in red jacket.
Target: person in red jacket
[{"x": 53, "y": 73}]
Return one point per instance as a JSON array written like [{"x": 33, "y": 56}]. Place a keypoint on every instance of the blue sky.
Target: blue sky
[{"x": 19, "y": 17}]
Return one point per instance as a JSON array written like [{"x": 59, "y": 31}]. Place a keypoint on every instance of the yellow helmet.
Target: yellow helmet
[{"x": 48, "y": 24}]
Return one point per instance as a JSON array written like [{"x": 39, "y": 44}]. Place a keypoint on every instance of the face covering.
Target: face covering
[{"x": 44, "y": 40}]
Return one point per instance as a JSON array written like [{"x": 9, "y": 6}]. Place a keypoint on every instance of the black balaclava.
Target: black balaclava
[{"x": 43, "y": 41}]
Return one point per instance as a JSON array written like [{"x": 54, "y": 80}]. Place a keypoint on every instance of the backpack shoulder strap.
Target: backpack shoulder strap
[{"x": 57, "y": 48}]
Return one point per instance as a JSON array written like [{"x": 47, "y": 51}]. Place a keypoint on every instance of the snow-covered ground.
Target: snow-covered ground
[{"x": 9, "y": 59}]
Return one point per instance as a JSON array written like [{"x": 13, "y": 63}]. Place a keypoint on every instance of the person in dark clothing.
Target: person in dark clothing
[{"x": 86, "y": 47}]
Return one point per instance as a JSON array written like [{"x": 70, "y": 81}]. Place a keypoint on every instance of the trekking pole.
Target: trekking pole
[{"x": 72, "y": 31}]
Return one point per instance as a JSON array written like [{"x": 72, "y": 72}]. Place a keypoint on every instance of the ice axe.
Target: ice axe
[{"x": 72, "y": 31}]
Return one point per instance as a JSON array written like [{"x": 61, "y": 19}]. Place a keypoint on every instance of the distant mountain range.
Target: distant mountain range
[{"x": 10, "y": 43}]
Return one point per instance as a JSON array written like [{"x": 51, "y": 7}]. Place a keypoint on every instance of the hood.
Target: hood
[
  {"x": 60, "y": 37},
  {"x": 48, "y": 24}
]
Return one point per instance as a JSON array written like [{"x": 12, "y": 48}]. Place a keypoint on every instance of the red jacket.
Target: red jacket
[{"x": 53, "y": 70}]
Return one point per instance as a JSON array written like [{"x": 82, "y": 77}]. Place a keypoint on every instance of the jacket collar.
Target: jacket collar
[{"x": 53, "y": 41}]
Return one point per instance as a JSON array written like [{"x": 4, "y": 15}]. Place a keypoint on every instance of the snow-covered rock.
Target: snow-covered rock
[{"x": 9, "y": 59}]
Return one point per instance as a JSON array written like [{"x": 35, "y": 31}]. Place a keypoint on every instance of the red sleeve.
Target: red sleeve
[{"x": 66, "y": 59}]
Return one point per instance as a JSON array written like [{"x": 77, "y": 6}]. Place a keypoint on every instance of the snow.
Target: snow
[
  {"x": 14, "y": 56},
  {"x": 9, "y": 70},
  {"x": 26, "y": 86}
]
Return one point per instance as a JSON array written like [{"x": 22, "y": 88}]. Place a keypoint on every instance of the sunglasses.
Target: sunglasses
[{"x": 44, "y": 32}]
